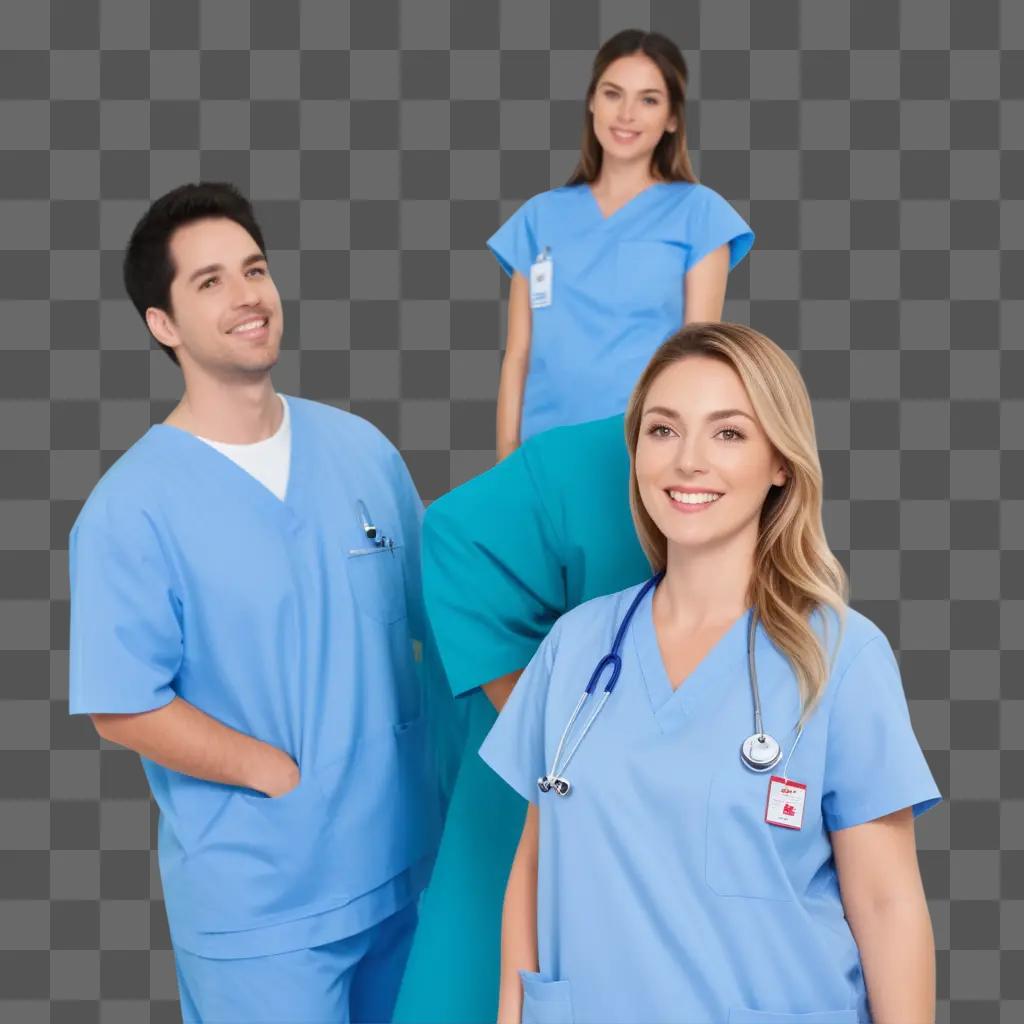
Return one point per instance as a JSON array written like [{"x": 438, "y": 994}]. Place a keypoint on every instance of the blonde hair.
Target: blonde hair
[{"x": 795, "y": 571}]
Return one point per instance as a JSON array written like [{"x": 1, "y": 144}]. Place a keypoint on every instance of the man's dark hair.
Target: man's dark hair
[{"x": 148, "y": 268}]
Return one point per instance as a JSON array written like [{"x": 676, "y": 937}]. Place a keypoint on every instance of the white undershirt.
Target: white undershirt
[{"x": 269, "y": 461}]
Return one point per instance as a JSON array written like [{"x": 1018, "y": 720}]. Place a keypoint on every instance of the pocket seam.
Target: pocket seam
[
  {"x": 708, "y": 856},
  {"x": 562, "y": 997},
  {"x": 393, "y": 608},
  {"x": 748, "y": 1015}
]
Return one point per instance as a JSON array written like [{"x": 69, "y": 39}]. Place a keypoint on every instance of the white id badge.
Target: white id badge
[
  {"x": 541, "y": 276},
  {"x": 785, "y": 803}
]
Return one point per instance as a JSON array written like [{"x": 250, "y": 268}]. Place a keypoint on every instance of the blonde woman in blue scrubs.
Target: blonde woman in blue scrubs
[
  {"x": 662, "y": 876},
  {"x": 605, "y": 268}
]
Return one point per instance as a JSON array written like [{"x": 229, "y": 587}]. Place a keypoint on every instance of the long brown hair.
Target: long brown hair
[
  {"x": 671, "y": 159},
  {"x": 795, "y": 571}
]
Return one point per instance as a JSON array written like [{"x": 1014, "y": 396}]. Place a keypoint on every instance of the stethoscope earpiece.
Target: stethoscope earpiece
[{"x": 561, "y": 786}]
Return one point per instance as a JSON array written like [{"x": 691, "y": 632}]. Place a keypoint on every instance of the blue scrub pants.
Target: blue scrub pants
[{"x": 351, "y": 981}]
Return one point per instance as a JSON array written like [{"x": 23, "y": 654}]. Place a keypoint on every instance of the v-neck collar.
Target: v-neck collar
[
  {"x": 649, "y": 190},
  {"x": 722, "y": 666},
  {"x": 238, "y": 472}
]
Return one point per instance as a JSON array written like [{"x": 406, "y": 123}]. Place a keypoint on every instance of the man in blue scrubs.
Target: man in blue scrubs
[{"x": 246, "y": 615}]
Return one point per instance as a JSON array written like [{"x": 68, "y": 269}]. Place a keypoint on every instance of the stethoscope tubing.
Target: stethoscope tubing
[{"x": 555, "y": 778}]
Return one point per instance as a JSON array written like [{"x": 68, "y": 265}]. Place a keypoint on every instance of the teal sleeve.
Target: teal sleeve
[{"x": 493, "y": 573}]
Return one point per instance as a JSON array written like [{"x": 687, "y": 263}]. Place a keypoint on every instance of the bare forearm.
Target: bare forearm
[
  {"x": 181, "y": 737},
  {"x": 897, "y": 951},
  {"x": 704, "y": 287},
  {"x": 519, "y": 923},
  {"x": 511, "y": 388},
  {"x": 514, "y": 367},
  {"x": 885, "y": 904}
]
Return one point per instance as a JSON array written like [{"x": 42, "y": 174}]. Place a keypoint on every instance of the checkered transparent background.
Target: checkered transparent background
[{"x": 876, "y": 148}]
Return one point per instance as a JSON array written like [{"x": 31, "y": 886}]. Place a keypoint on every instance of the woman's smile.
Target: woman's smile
[{"x": 690, "y": 502}]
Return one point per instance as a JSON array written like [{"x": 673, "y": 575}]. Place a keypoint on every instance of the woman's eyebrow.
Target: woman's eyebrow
[
  {"x": 662, "y": 410},
  {"x": 724, "y": 414},
  {"x": 718, "y": 414},
  {"x": 608, "y": 82}
]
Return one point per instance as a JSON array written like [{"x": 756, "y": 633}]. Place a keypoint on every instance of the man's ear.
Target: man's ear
[{"x": 162, "y": 327}]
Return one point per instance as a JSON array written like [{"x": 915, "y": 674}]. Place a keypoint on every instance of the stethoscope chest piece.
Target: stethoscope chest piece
[{"x": 760, "y": 752}]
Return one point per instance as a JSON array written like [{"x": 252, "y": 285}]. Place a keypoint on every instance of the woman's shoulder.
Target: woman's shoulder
[
  {"x": 555, "y": 198},
  {"x": 845, "y": 633},
  {"x": 543, "y": 207},
  {"x": 692, "y": 193}
]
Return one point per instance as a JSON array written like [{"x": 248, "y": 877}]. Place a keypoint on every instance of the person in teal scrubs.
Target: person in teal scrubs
[{"x": 504, "y": 556}]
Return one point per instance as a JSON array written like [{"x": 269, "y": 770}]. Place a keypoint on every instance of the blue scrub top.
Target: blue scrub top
[
  {"x": 663, "y": 895},
  {"x": 617, "y": 288},
  {"x": 280, "y": 619}
]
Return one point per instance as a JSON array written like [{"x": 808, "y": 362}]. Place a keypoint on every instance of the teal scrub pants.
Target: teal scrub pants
[
  {"x": 351, "y": 981},
  {"x": 452, "y": 975}
]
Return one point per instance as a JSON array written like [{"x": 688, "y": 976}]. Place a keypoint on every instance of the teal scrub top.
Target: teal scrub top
[
  {"x": 616, "y": 288},
  {"x": 504, "y": 556},
  {"x": 283, "y": 620}
]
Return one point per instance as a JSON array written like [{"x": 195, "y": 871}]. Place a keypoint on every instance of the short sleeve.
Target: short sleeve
[
  {"x": 514, "y": 747},
  {"x": 514, "y": 244},
  {"x": 126, "y": 633},
  {"x": 874, "y": 765},
  {"x": 492, "y": 573},
  {"x": 713, "y": 222}
]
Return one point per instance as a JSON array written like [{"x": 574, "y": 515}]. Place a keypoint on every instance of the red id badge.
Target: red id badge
[{"x": 785, "y": 805}]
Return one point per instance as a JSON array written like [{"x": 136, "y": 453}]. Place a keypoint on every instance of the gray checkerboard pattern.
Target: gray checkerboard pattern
[{"x": 876, "y": 148}]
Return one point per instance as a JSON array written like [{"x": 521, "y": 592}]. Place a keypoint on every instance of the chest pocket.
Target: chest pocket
[
  {"x": 744, "y": 857},
  {"x": 376, "y": 574},
  {"x": 649, "y": 279}
]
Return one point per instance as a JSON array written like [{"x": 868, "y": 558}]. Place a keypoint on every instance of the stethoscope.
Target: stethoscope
[{"x": 759, "y": 751}]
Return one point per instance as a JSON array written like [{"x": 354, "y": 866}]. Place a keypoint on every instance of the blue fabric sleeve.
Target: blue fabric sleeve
[
  {"x": 514, "y": 747},
  {"x": 712, "y": 222},
  {"x": 493, "y": 572},
  {"x": 874, "y": 764},
  {"x": 126, "y": 635},
  {"x": 514, "y": 244}
]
